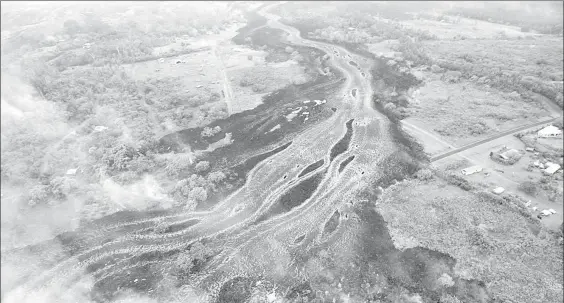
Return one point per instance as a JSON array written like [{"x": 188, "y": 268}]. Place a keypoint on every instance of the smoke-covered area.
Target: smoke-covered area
[{"x": 74, "y": 148}]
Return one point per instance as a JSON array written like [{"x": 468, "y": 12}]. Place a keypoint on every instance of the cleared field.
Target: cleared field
[
  {"x": 250, "y": 84},
  {"x": 384, "y": 48},
  {"x": 237, "y": 57},
  {"x": 195, "y": 69},
  {"x": 465, "y": 112}
]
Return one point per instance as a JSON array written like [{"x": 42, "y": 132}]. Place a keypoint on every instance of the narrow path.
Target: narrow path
[{"x": 227, "y": 90}]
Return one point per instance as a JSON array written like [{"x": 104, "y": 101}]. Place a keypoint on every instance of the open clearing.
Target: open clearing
[
  {"x": 266, "y": 78},
  {"x": 464, "y": 112}
]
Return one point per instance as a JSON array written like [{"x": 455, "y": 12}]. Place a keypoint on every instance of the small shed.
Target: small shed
[
  {"x": 551, "y": 168},
  {"x": 550, "y": 131},
  {"x": 161, "y": 60},
  {"x": 72, "y": 171},
  {"x": 498, "y": 190},
  {"x": 472, "y": 170}
]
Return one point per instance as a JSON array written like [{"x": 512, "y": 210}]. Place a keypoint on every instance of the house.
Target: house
[
  {"x": 551, "y": 168},
  {"x": 550, "y": 131},
  {"x": 498, "y": 190},
  {"x": 471, "y": 170}
]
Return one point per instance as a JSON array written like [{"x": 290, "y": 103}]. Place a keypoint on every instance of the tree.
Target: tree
[
  {"x": 210, "y": 132},
  {"x": 207, "y": 132},
  {"x": 178, "y": 163},
  {"x": 142, "y": 164},
  {"x": 202, "y": 166},
  {"x": 216, "y": 177},
  {"x": 424, "y": 174},
  {"x": 390, "y": 107},
  {"x": 118, "y": 157},
  {"x": 38, "y": 194},
  {"x": 198, "y": 194},
  {"x": 62, "y": 186}
]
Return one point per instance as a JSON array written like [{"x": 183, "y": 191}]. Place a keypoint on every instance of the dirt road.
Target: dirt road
[{"x": 227, "y": 89}]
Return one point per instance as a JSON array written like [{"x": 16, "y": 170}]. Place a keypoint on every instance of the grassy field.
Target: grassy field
[
  {"x": 251, "y": 83},
  {"x": 515, "y": 257},
  {"x": 467, "y": 111}
]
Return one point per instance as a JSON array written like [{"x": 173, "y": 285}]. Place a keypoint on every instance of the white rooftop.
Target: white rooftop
[
  {"x": 552, "y": 168},
  {"x": 551, "y": 129}
]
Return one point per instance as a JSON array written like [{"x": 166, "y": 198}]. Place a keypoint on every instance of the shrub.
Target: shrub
[
  {"x": 436, "y": 69},
  {"x": 459, "y": 181},
  {"x": 424, "y": 174},
  {"x": 529, "y": 187},
  {"x": 198, "y": 194},
  {"x": 216, "y": 177},
  {"x": 210, "y": 132},
  {"x": 202, "y": 166},
  {"x": 177, "y": 164},
  {"x": 478, "y": 237}
]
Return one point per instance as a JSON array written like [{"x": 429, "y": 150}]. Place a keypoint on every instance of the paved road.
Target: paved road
[{"x": 497, "y": 136}]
